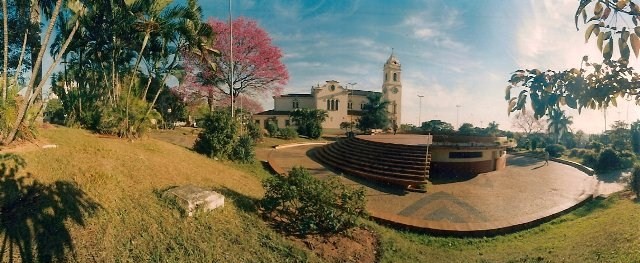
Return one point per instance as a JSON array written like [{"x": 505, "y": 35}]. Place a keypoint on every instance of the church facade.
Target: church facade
[{"x": 341, "y": 102}]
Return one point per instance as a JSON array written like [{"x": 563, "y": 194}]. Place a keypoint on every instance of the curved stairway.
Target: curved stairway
[{"x": 392, "y": 163}]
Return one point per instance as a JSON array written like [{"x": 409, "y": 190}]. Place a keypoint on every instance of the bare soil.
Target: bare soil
[{"x": 356, "y": 245}]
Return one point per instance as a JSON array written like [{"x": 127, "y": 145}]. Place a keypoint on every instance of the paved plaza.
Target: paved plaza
[{"x": 526, "y": 193}]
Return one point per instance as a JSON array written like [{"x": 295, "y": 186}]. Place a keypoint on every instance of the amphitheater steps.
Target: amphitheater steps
[{"x": 392, "y": 163}]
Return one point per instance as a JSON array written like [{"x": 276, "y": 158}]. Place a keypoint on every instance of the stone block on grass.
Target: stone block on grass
[{"x": 192, "y": 198}]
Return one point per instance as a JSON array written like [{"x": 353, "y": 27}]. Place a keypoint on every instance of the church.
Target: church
[{"x": 341, "y": 102}]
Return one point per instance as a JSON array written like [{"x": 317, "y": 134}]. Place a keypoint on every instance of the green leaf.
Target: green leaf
[
  {"x": 624, "y": 49},
  {"x": 511, "y": 105},
  {"x": 600, "y": 40},
  {"x": 635, "y": 44},
  {"x": 621, "y": 4},
  {"x": 507, "y": 92},
  {"x": 624, "y": 35},
  {"x": 607, "y": 11},
  {"x": 587, "y": 33},
  {"x": 598, "y": 9},
  {"x": 580, "y": 11},
  {"x": 571, "y": 102},
  {"x": 607, "y": 51}
]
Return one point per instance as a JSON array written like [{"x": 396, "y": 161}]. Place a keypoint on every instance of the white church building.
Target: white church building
[{"x": 340, "y": 103}]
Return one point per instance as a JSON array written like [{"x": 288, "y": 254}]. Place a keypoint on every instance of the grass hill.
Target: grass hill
[{"x": 95, "y": 200}]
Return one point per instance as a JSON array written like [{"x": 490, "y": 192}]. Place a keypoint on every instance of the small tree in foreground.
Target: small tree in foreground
[
  {"x": 304, "y": 204},
  {"x": 309, "y": 122},
  {"x": 218, "y": 136}
]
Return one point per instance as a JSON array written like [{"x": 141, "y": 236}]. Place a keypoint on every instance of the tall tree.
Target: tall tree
[
  {"x": 33, "y": 88},
  {"x": 558, "y": 124},
  {"x": 374, "y": 113},
  {"x": 257, "y": 63},
  {"x": 526, "y": 122},
  {"x": 467, "y": 129},
  {"x": 437, "y": 127},
  {"x": 309, "y": 121}
]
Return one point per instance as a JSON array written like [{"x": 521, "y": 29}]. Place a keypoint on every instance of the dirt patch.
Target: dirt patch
[{"x": 356, "y": 245}]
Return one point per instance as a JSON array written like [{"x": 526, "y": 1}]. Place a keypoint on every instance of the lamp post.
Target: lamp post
[
  {"x": 349, "y": 100},
  {"x": 458, "y": 116},
  {"x": 420, "y": 111},
  {"x": 231, "y": 59}
]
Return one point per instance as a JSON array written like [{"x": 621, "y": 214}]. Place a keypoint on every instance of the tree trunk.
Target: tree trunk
[
  {"x": 29, "y": 98},
  {"x": 22, "y": 51},
  {"x": 133, "y": 73},
  {"x": 5, "y": 59}
]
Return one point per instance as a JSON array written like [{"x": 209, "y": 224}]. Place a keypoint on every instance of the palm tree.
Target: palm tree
[
  {"x": 32, "y": 90},
  {"x": 375, "y": 113},
  {"x": 5, "y": 57},
  {"x": 558, "y": 123}
]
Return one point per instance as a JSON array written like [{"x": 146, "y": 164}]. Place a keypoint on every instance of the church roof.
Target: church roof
[
  {"x": 362, "y": 92},
  {"x": 298, "y": 95},
  {"x": 274, "y": 112},
  {"x": 392, "y": 59}
]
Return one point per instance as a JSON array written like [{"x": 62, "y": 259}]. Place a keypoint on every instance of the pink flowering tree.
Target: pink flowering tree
[{"x": 258, "y": 70}]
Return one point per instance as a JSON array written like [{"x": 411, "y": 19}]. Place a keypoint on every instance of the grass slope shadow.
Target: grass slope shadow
[{"x": 34, "y": 216}]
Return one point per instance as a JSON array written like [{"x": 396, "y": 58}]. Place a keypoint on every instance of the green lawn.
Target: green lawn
[{"x": 104, "y": 195}]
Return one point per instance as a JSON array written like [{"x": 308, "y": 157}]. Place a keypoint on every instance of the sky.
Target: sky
[{"x": 454, "y": 53}]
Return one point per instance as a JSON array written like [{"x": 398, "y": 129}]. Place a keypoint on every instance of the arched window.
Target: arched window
[
  {"x": 395, "y": 76},
  {"x": 333, "y": 105},
  {"x": 296, "y": 104},
  {"x": 350, "y": 105},
  {"x": 337, "y": 103},
  {"x": 386, "y": 76},
  {"x": 328, "y": 104},
  {"x": 394, "y": 108}
]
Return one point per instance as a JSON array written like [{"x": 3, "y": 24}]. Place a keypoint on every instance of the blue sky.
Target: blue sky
[{"x": 452, "y": 52}]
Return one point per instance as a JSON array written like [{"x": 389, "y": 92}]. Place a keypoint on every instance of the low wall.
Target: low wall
[{"x": 582, "y": 168}]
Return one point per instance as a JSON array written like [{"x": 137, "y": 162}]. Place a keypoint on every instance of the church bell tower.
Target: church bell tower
[{"x": 392, "y": 89}]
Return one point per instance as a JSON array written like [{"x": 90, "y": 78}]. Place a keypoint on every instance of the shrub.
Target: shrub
[
  {"x": 635, "y": 181},
  {"x": 608, "y": 160},
  {"x": 254, "y": 131},
  {"x": 243, "y": 150},
  {"x": 272, "y": 128},
  {"x": 590, "y": 159},
  {"x": 627, "y": 159},
  {"x": 304, "y": 204},
  {"x": 288, "y": 133},
  {"x": 573, "y": 153},
  {"x": 555, "y": 150},
  {"x": 218, "y": 135},
  {"x": 596, "y": 146}
]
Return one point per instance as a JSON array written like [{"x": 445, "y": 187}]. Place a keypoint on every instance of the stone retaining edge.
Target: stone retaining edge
[
  {"x": 581, "y": 167},
  {"x": 282, "y": 146}
]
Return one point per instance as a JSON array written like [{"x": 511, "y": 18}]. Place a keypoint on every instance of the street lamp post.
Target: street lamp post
[
  {"x": 348, "y": 102},
  {"x": 420, "y": 110},
  {"x": 458, "y": 116}
]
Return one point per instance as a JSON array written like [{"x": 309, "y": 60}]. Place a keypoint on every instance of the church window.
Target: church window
[
  {"x": 337, "y": 103},
  {"x": 386, "y": 76},
  {"x": 350, "y": 105},
  {"x": 328, "y": 104},
  {"x": 333, "y": 105},
  {"x": 395, "y": 76},
  {"x": 362, "y": 106},
  {"x": 296, "y": 104},
  {"x": 394, "y": 108}
]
